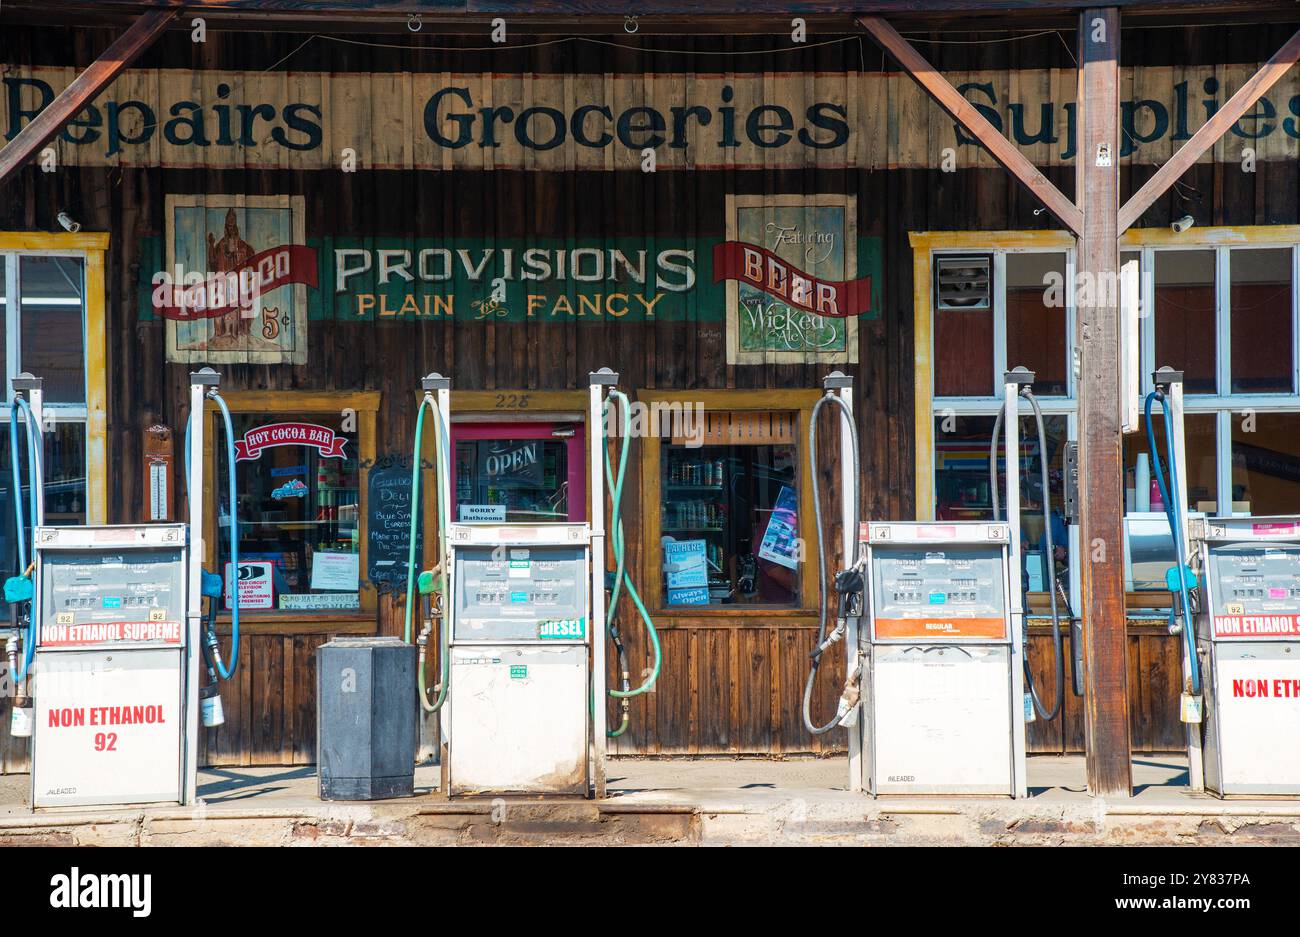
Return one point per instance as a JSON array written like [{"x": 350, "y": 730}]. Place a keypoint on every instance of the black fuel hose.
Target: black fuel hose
[{"x": 1058, "y": 648}]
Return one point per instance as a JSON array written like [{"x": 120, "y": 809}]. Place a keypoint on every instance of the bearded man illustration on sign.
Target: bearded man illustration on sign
[{"x": 224, "y": 256}]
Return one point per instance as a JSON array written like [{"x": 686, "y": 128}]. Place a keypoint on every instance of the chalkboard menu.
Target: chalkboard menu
[{"x": 389, "y": 523}]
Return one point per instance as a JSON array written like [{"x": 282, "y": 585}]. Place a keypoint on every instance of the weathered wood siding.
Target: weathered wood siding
[{"x": 728, "y": 685}]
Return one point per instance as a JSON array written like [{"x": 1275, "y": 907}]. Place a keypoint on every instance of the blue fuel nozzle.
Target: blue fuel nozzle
[
  {"x": 18, "y": 589},
  {"x": 210, "y": 585}
]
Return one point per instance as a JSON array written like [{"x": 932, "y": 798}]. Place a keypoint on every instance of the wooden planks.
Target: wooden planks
[
  {"x": 966, "y": 114},
  {"x": 123, "y": 51},
  {"x": 1101, "y": 463},
  {"x": 1210, "y": 132}
]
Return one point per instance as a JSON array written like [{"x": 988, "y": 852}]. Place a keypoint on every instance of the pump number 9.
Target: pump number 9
[{"x": 105, "y": 741}]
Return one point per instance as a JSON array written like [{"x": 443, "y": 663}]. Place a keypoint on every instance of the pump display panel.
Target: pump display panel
[
  {"x": 521, "y": 593},
  {"x": 938, "y": 593},
  {"x": 93, "y": 599},
  {"x": 1255, "y": 590}
]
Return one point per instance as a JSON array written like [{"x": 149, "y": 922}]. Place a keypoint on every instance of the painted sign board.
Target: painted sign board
[{"x": 828, "y": 120}]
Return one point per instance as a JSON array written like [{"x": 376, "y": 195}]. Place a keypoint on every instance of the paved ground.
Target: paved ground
[{"x": 678, "y": 801}]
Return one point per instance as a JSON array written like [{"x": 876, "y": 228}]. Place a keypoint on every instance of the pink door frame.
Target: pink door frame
[{"x": 576, "y": 446}]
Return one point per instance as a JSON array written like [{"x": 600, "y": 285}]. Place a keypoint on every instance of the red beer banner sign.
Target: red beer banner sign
[
  {"x": 322, "y": 438},
  {"x": 220, "y": 292},
  {"x": 749, "y": 263}
]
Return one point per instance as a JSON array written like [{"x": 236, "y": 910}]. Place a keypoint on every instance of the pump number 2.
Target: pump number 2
[{"x": 105, "y": 741}]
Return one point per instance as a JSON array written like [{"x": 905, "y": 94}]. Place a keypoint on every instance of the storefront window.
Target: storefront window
[
  {"x": 729, "y": 517},
  {"x": 1266, "y": 463},
  {"x": 1185, "y": 317},
  {"x": 53, "y": 343},
  {"x": 1200, "y": 439},
  {"x": 298, "y": 492},
  {"x": 1261, "y": 321},
  {"x": 964, "y": 490},
  {"x": 519, "y": 473},
  {"x": 1036, "y": 319}
]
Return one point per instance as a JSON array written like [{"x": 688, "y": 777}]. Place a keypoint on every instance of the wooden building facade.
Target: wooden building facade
[{"x": 517, "y": 217}]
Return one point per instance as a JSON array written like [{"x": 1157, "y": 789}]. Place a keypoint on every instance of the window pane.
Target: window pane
[
  {"x": 299, "y": 540},
  {"x": 963, "y": 490},
  {"x": 1260, "y": 310},
  {"x": 512, "y": 480},
  {"x": 65, "y": 489},
  {"x": 53, "y": 340},
  {"x": 1266, "y": 463},
  {"x": 730, "y": 524},
  {"x": 1185, "y": 329},
  {"x": 963, "y": 328},
  {"x": 1036, "y": 319},
  {"x": 1141, "y": 493}
]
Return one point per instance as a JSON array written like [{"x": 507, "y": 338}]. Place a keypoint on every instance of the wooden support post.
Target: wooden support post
[
  {"x": 1101, "y": 465},
  {"x": 965, "y": 113},
  {"x": 84, "y": 88},
  {"x": 1210, "y": 132}
]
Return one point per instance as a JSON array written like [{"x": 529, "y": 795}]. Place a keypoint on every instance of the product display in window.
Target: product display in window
[
  {"x": 729, "y": 525},
  {"x": 299, "y": 496}
]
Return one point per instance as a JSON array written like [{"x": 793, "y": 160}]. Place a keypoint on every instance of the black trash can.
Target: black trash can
[{"x": 366, "y": 719}]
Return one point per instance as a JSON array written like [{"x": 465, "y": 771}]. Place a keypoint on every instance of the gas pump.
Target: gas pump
[
  {"x": 118, "y": 641},
  {"x": 521, "y": 690},
  {"x": 1235, "y": 600},
  {"x": 1248, "y": 636},
  {"x": 945, "y": 624}
]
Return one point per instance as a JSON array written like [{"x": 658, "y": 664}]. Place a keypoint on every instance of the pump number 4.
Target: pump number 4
[{"x": 105, "y": 741}]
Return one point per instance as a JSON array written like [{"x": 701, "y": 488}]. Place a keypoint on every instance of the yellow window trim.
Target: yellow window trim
[
  {"x": 92, "y": 245},
  {"x": 924, "y": 243},
  {"x": 366, "y": 406},
  {"x": 651, "y": 564}
]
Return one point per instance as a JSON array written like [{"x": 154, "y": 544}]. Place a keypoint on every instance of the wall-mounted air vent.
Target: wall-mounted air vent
[{"x": 963, "y": 282}]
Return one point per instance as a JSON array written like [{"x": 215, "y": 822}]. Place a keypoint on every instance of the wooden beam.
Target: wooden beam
[
  {"x": 965, "y": 113},
  {"x": 84, "y": 88},
  {"x": 1101, "y": 468},
  {"x": 1210, "y": 132}
]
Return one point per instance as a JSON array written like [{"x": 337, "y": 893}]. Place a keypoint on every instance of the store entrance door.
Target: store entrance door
[{"x": 519, "y": 473}]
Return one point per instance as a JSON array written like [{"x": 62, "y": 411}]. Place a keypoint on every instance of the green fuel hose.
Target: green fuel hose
[
  {"x": 428, "y": 582},
  {"x": 622, "y": 579}
]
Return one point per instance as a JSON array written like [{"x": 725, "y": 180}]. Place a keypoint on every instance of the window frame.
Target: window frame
[
  {"x": 90, "y": 248},
  {"x": 800, "y": 401},
  {"x": 1144, "y": 241},
  {"x": 273, "y": 403}
]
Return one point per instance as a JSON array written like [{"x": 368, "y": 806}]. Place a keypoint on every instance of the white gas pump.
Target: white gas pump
[
  {"x": 119, "y": 615},
  {"x": 523, "y": 625},
  {"x": 1248, "y": 637},
  {"x": 1235, "y": 602},
  {"x": 943, "y": 650}
]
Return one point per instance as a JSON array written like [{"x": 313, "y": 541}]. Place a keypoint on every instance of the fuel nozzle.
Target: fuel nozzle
[
  {"x": 210, "y": 708},
  {"x": 1176, "y": 610}
]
